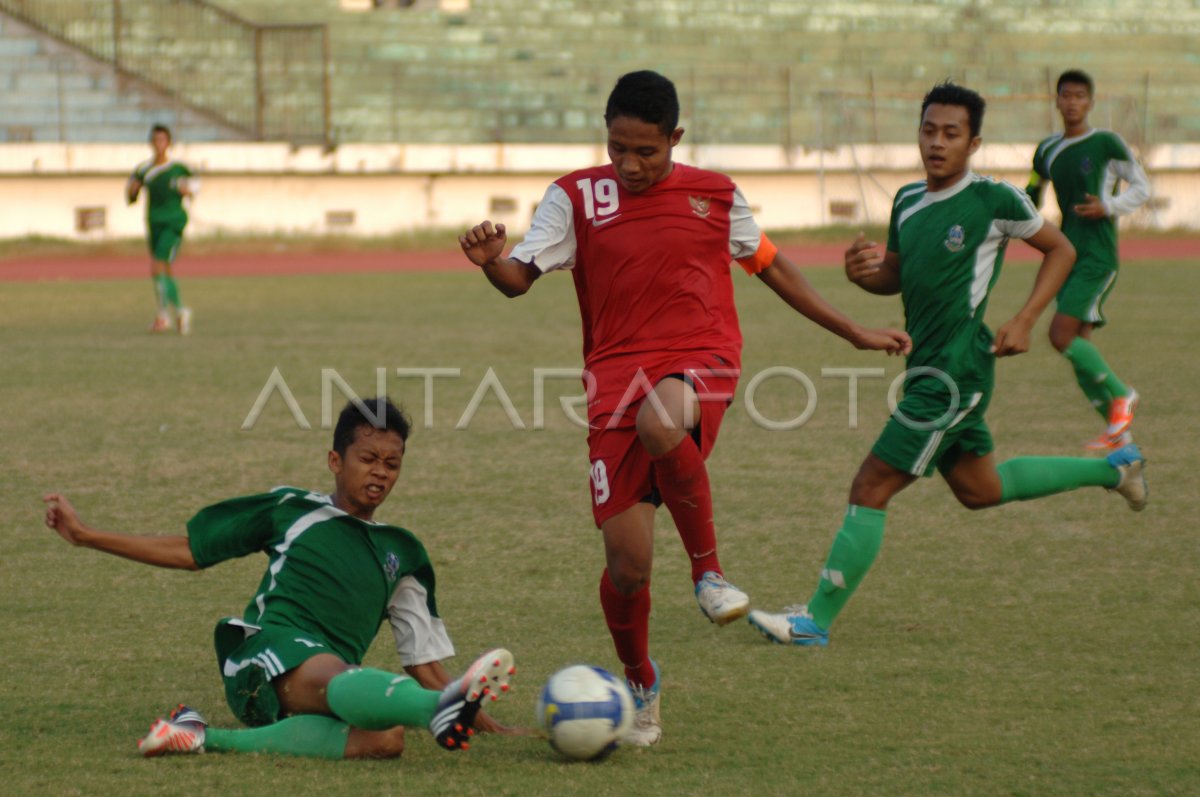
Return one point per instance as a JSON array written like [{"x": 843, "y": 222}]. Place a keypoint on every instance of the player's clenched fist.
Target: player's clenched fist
[
  {"x": 862, "y": 259},
  {"x": 63, "y": 518},
  {"x": 483, "y": 243}
]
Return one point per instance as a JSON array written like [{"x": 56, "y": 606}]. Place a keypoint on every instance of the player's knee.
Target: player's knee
[
  {"x": 1063, "y": 330},
  {"x": 867, "y": 490},
  {"x": 629, "y": 574},
  {"x": 378, "y": 744},
  {"x": 977, "y": 499},
  {"x": 657, "y": 432},
  {"x": 629, "y": 578},
  {"x": 1061, "y": 339}
]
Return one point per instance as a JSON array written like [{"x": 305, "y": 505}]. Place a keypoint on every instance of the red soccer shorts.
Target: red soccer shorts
[{"x": 621, "y": 474}]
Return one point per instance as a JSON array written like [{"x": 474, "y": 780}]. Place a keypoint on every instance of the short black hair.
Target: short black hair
[
  {"x": 1075, "y": 76},
  {"x": 645, "y": 95},
  {"x": 358, "y": 413},
  {"x": 160, "y": 129},
  {"x": 949, "y": 93}
]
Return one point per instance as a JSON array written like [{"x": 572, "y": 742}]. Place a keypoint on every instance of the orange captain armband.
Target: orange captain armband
[{"x": 763, "y": 257}]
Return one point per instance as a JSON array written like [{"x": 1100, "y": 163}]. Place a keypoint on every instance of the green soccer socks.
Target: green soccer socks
[
  {"x": 172, "y": 292},
  {"x": 376, "y": 700},
  {"x": 854, "y": 549},
  {"x": 166, "y": 292},
  {"x": 308, "y": 735},
  {"x": 1025, "y": 478},
  {"x": 1097, "y": 380},
  {"x": 160, "y": 291}
]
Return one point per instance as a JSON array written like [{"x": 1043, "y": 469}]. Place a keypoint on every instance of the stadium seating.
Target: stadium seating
[
  {"x": 52, "y": 92},
  {"x": 793, "y": 73}
]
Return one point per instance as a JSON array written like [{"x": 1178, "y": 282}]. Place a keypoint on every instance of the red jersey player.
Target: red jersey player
[{"x": 649, "y": 244}]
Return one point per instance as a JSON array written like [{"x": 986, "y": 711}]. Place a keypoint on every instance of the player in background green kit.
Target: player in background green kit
[
  {"x": 1085, "y": 165},
  {"x": 945, "y": 246},
  {"x": 166, "y": 182},
  {"x": 292, "y": 663}
]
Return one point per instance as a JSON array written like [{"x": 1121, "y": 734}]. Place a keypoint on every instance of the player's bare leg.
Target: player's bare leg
[
  {"x": 975, "y": 481},
  {"x": 375, "y": 744}
]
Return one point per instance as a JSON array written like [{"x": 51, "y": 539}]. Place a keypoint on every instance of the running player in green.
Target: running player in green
[
  {"x": 1085, "y": 164},
  {"x": 166, "y": 182},
  {"x": 945, "y": 245},
  {"x": 292, "y": 663}
]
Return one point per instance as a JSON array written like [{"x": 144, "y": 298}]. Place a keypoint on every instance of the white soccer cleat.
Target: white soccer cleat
[
  {"x": 181, "y": 732},
  {"x": 793, "y": 626},
  {"x": 183, "y": 321},
  {"x": 720, "y": 601},
  {"x": 647, "y": 724},
  {"x": 1130, "y": 463},
  {"x": 487, "y": 677}
]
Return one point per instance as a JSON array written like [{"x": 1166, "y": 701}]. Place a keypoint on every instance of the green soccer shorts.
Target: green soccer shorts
[
  {"x": 1083, "y": 295},
  {"x": 250, "y": 660},
  {"x": 164, "y": 241},
  {"x": 932, "y": 428}
]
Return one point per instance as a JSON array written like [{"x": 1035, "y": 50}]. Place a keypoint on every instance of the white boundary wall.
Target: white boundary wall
[{"x": 384, "y": 189}]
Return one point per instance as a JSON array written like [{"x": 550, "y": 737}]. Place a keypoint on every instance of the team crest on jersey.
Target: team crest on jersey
[
  {"x": 955, "y": 238},
  {"x": 1085, "y": 165},
  {"x": 391, "y": 566},
  {"x": 700, "y": 205}
]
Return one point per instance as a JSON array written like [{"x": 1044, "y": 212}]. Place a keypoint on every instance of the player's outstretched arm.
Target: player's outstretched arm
[
  {"x": 132, "y": 188},
  {"x": 873, "y": 271},
  {"x": 785, "y": 278},
  {"x": 483, "y": 245},
  {"x": 1013, "y": 337},
  {"x": 167, "y": 551}
]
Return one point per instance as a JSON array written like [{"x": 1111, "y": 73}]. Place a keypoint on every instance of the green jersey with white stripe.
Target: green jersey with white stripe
[
  {"x": 951, "y": 245},
  {"x": 164, "y": 202},
  {"x": 329, "y": 574},
  {"x": 1091, "y": 163}
]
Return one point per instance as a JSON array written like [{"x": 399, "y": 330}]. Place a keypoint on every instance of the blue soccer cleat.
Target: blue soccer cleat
[
  {"x": 793, "y": 626},
  {"x": 1130, "y": 463}
]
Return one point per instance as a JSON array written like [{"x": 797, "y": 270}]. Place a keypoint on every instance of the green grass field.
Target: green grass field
[{"x": 1046, "y": 648}]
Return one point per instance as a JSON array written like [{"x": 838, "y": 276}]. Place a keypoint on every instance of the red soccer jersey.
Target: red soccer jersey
[{"x": 652, "y": 270}]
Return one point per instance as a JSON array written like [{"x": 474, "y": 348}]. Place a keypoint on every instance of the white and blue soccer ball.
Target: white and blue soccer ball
[{"x": 585, "y": 711}]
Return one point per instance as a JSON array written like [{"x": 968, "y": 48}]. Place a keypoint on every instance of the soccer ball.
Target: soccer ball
[{"x": 585, "y": 710}]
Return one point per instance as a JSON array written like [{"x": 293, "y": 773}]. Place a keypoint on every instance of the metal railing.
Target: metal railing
[{"x": 269, "y": 81}]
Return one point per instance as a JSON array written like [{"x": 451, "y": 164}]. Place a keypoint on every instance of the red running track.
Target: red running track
[{"x": 233, "y": 265}]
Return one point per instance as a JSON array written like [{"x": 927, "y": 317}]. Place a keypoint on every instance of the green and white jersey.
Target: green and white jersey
[
  {"x": 951, "y": 245},
  {"x": 329, "y": 574},
  {"x": 164, "y": 202},
  {"x": 1092, "y": 163}
]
